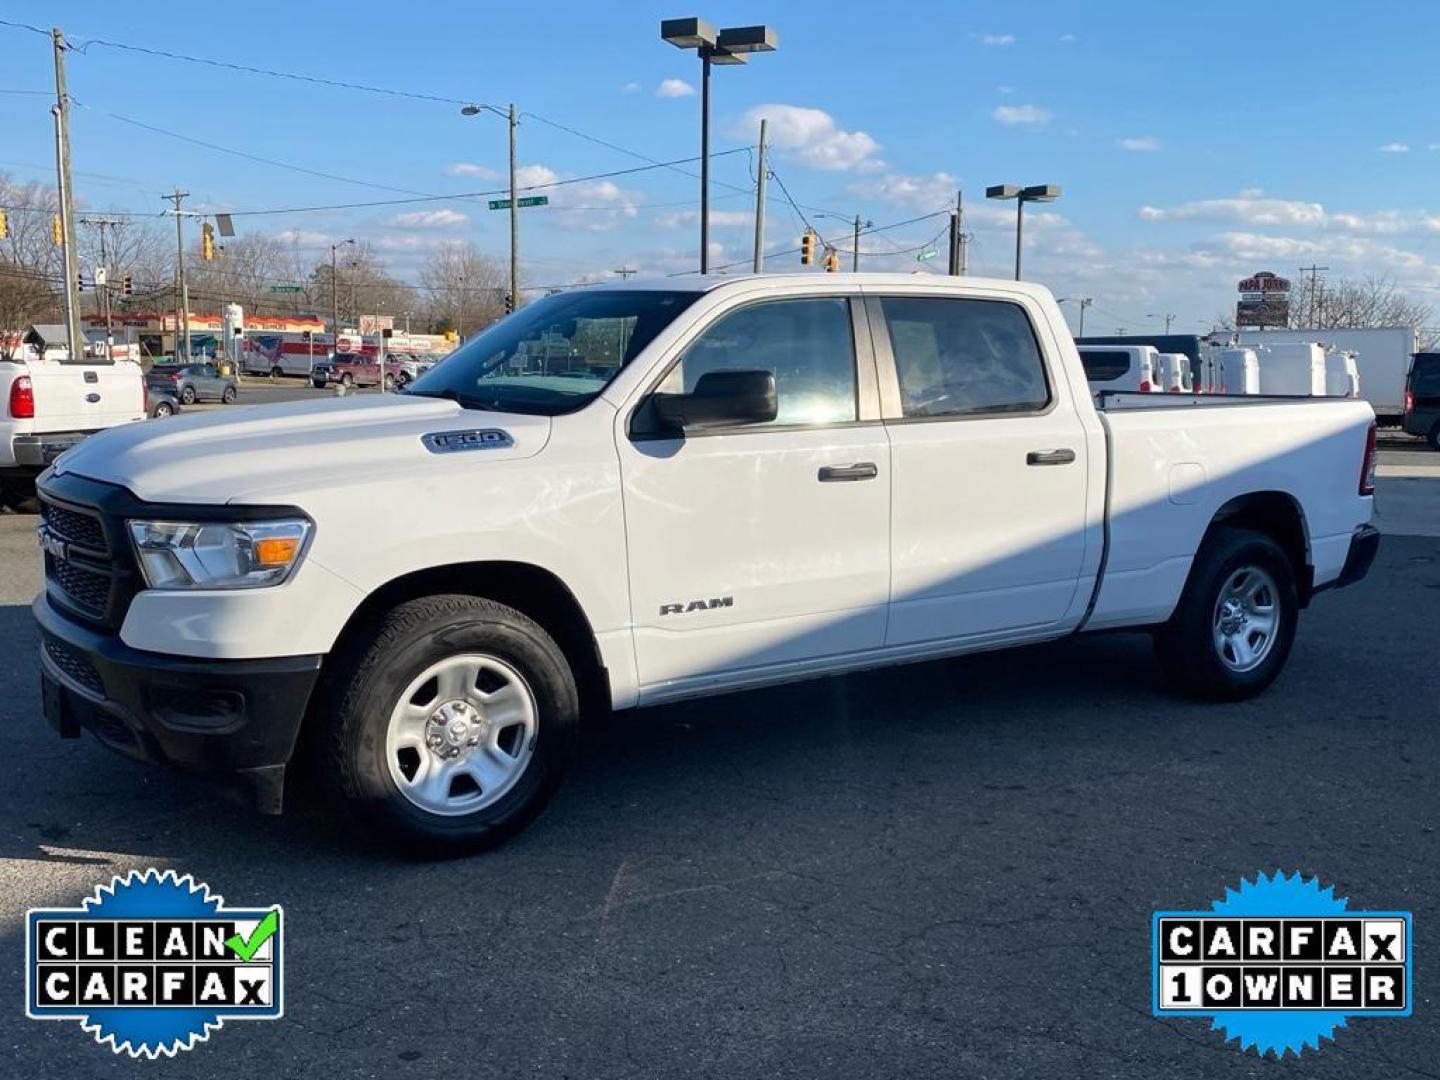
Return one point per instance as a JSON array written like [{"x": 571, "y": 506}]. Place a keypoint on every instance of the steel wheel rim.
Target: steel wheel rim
[
  {"x": 1247, "y": 619},
  {"x": 461, "y": 734}
]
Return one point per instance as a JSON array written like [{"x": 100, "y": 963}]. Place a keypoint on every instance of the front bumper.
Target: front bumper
[
  {"x": 234, "y": 720},
  {"x": 1364, "y": 545}
]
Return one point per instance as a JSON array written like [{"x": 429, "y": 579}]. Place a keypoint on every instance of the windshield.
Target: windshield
[{"x": 555, "y": 355}]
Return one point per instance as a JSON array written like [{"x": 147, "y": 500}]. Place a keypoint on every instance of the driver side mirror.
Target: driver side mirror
[{"x": 720, "y": 399}]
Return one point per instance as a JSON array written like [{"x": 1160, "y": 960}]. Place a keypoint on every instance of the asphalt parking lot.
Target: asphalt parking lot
[{"x": 945, "y": 869}]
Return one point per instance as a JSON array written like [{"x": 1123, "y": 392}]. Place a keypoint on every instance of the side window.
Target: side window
[
  {"x": 806, "y": 343},
  {"x": 964, "y": 357},
  {"x": 1102, "y": 365},
  {"x": 1425, "y": 376}
]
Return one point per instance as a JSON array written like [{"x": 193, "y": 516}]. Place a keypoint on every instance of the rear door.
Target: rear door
[
  {"x": 989, "y": 466},
  {"x": 761, "y": 546},
  {"x": 1424, "y": 386},
  {"x": 119, "y": 387}
]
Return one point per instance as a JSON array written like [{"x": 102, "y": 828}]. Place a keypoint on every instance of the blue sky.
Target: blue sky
[{"x": 1194, "y": 143}]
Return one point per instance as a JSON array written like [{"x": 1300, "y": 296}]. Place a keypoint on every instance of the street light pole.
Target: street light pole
[
  {"x": 335, "y": 295},
  {"x": 760, "y": 202},
  {"x": 514, "y": 221},
  {"x": 1033, "y": 193},
  {"x": 729, "y": 46}
]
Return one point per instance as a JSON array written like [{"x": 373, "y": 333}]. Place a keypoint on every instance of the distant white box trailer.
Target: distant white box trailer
[
  {"x": 1292, "y": 368},
  {"x": 1382, "y": 359}
]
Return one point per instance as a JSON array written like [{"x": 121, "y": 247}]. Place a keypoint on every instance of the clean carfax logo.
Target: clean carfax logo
[
  {"x": 153, "y": 962},
  {"x": 1280, "y": 963}
]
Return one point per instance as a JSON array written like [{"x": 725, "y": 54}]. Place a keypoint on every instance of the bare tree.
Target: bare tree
[
  {"x": 1355, "y": 303},
  {"x": 363, "y": 285},
  {"x": 464, "y": 289},
  {"x": 242, "y": 272},
  {"x": 30, "y": 267}
]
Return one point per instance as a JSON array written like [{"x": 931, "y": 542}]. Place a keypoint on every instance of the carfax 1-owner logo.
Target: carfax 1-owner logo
[
  {"x": 152, "y": 963},
  {"x": 1280, "y": 964}
]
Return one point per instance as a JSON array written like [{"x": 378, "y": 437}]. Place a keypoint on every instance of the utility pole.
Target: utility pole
[
  {"x": 855, "y": 252},
  {"x": 957, "y": 237},
  {"x": 102, "y": 280},
  {"x": 1313, "y": 271},
  {"x": 514, "y": 220},
  {"x": 334, "y": 301},
  {"x": 75, "y": 341},
  {"x": 182, "y": 300},
  {"x": 1084, "y": 302},
  {"x": 760, "y": 177},
  {"x": 625, "y": 272}
]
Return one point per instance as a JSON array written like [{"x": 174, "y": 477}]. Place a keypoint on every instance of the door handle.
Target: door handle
[
  {"x": 92, "y": 398},
  {"x": 863, "y": 470},
  {"x": 1050, "y": 457}
]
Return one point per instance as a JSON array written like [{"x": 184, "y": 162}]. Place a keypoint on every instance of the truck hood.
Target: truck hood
[{"x": 235, "y": 453}]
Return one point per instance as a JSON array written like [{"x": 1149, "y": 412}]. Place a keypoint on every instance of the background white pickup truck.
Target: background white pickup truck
[
  {"x": 631, "y": 494},
  {"x": 50, "y": 404}
]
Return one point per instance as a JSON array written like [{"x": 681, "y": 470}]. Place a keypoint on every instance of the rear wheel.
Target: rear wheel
[
  {"x": 276, "y": 372},
  {"x": 389, "y": 381},
  {"x": 1434, "y": 437},
  {"x": 162, "y": 408},
  {"x": 1233, "y": 629},
  {"x": 347, "y": 380},
  {"x": 187, "y": 395},
  {"x": 228, "y": 397},
  {"x": 449, "y": 725},
  {"x": 318, "y": 384}
]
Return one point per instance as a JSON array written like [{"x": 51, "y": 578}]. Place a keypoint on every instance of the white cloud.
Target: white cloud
[
  {"x": 1020, "y": 114},
  {"x": 1435, "y": 146},
  {"x": 429, "y": 219},
  {"x": 303, "y": 238},
  {"x": 923, "y": 193},
  {"x": 812, "y": 137},
  {"x": 1139, "y": 143},
  {"x": 1251, "y": 211},
  {"x": 467, "y": 168},
  {"x": 589, "y": 205},
  {"x": 1395, "y": 148},
  {"x": 1066, "y": 39},
  {"x": 630, "y": 88},
  {"x": 1007, "y": 90},
  {"x": 997, "y": 39},
  {"x": 674, "y": 88},
  {"x": 720, "y": 219}
]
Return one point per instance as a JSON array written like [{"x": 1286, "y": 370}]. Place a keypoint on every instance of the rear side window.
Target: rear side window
[
  {"x": 1104, "y": 366},
  {"x": 964, "y": 357},
  {"x": 1425, "y": 375}
]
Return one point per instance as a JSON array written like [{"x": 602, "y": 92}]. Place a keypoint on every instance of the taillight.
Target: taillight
[
  {"x": 22, "y": 398},
  {"x": 1409, "y": 401},
  {"x": 1145, "y": 386},
  {"x": 1367, "y": 465}
]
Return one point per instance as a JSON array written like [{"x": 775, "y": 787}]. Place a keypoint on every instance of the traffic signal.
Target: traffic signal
[
  {"x": 807, "y": 248},
  {"x": 57, "y": 235},
  {"x": 4, "y": 225},
  {"x": 207, "y": 241},
  {"x": 832, "y": 261},
  {"x": 79, "y": 282},
  {"x": 509, "y": 303},
  {"x": 126, "y": 285}
]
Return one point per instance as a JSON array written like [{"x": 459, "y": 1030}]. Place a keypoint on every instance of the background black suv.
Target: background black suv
[{"x": 1422, "y": 398}]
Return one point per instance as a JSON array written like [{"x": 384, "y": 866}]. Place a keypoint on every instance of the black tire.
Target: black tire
[
  {"x": 402, "y": 380},
  {"x": 347, "y": 380},
  {"x": 228, "y": 397},
  {"x": 187, "y": 395},
  {"x": 19, "y": 497},
  {"x": 318, "y": 384},
  {"x": 1186, "y": 645},
  {"x": 163, "y": 408},
  {"x": 365, "y": 682},
  {"x": 276, "y": 371},
  {"x": 1434, "y": 437}
]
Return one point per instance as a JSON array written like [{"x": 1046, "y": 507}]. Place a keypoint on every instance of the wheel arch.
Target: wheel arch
[
  {"x": 530, "y": 589},
  {"x": 1279, "y": 516}
]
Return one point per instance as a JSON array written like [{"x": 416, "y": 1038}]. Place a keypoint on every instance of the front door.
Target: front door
[
  {"x": 989, "y": 460},
  {"x": 764, "y": 546}
]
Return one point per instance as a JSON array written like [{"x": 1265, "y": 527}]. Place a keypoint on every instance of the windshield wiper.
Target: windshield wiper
[{"x": 465, "y": 401}]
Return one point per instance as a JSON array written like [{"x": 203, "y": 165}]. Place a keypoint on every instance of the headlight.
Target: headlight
[{"x": 218, "y": 555}]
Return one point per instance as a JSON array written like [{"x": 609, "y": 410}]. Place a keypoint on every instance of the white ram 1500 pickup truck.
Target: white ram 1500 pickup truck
[{"x": 637, "y": 493}]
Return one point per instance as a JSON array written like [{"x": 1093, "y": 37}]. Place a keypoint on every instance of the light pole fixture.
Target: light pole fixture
[
  {"x": 1022, "y": 195},
  {"x": 509, "y": 114},
  {"x": 728, "y": 46},
  {"x": 1084, "y": 302}
]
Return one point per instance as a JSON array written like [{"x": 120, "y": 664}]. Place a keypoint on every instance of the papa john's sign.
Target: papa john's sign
[{"x": 1264, "y": 300}]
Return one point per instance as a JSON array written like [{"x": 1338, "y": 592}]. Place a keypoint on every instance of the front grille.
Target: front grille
[
  {"x": 74, "y": 526},
  {"x": 74, "y": 664},
  {"x": 88, "y": 589}
]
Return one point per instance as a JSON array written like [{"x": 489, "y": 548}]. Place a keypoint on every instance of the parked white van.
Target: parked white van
[
  {"x": 1342, "y": 374},
  {"x": 1174, "y": 372},
  {"x": 1293, "y": 368},
  {"x": 1237, "y": 371},
  {"x": 1120, "y": 367}
]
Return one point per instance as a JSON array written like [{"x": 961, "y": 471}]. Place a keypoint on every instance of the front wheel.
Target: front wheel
[
  {"x": 449, "y": 725},
  {"x": 276, "y": 372},
  {"x": 347, "y": 380},
  {"x": 228, "y": 397},
  {"x": 1232, "y": 631},
  {"x": 163, "y": 408},
  {"x": 187, "y": 395},
  {"x": 318, "y": 384}
]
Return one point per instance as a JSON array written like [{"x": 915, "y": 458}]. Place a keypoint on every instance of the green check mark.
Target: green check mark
[{"x": 246, "y": 948}]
